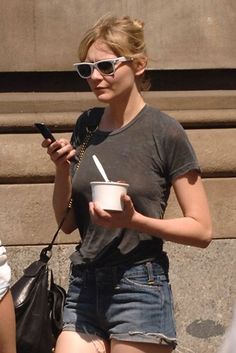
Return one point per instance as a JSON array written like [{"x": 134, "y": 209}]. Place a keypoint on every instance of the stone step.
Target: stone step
[
  {"x": 64, "y": 121},
  {"x": 34, "y": 102},
  {"x": 22, "y": 158}
]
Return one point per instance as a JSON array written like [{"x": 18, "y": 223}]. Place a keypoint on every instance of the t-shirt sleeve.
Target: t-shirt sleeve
[{"x": 180, "y": 156}]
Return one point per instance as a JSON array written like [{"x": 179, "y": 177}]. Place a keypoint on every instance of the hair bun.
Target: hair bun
[{"x": 138, "y": 23}]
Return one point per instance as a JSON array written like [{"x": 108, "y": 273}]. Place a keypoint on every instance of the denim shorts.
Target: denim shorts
[{"x": 128, "y": 303}]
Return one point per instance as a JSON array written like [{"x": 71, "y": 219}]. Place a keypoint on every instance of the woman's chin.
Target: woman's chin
[{"x": 103, "y": 97}]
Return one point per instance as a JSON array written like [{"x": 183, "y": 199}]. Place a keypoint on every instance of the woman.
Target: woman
[
  {"x": 119, "y": 298},
  {"x": 7, "y": 313}
]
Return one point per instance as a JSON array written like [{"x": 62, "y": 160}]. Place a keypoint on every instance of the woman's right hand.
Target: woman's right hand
[{"x": 60, "y": 152}]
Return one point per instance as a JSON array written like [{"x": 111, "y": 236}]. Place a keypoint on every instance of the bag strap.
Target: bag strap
[{"x": 91, "y": 127}]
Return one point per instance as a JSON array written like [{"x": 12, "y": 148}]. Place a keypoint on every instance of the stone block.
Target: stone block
[
  {"x": 26, "y": 215},
  {"x": 222, "y": 202}
]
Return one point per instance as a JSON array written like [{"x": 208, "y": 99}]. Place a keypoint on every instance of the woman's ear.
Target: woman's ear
[{"x": 140, "y": 65}]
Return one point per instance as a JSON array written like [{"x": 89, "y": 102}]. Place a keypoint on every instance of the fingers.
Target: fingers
[
  {"x": 112, "y": 219},
  {"x": 59, "y": 151},
  {"x": 98, "y": 215},
  {"x": 97, "y": 212},
  {"x": 127, "y": 202},
  {"x": 46, "y": 143}
]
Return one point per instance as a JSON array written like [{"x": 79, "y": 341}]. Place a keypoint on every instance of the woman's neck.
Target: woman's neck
[{"x": 118, "y": 114}]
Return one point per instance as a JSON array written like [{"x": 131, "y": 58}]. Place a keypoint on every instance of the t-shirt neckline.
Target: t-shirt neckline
[{"x": 126, "y": 126}]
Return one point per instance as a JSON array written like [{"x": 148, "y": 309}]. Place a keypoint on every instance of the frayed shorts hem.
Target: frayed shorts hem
[{"x": 156, "y": 338}]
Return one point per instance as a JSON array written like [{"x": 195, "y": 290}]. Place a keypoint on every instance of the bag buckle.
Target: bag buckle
[{"x": 46, "y": 254}]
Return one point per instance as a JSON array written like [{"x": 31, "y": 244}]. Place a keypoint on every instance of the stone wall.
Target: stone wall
[{"x": 185, "y": 34}]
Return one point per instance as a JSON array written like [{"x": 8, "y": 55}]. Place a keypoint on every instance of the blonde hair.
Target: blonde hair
[{"x": 124, "y": 36}]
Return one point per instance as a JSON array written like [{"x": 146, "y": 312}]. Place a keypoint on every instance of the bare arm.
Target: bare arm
[
  {"x": 60, "y": 153},
  {"x": 7, "y": 325},
  {"x": 194, "y": 228}
]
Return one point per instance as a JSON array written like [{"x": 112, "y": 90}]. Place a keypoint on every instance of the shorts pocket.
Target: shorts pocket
[{"x": 144, "y": 275}]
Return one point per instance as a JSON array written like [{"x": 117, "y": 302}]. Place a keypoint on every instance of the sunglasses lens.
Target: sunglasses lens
[
  {"x": 84, "y": 70},
  {"x": 105, "y": 67}
]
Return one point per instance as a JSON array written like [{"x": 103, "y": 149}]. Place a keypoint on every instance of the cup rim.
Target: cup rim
[{"x": 108, "y": 183}]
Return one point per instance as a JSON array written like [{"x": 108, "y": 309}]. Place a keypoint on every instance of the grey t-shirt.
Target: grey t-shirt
[{"x": 148, "y": 153}]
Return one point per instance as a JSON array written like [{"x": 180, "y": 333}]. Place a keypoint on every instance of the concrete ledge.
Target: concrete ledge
[
  {"x": 79, "y": 101},
  {"x": 26, "y": 214},
  {"x": 64, "y": 121},
  {"x": 215, "y": 150},
  {"x": 24, "y": 158}
]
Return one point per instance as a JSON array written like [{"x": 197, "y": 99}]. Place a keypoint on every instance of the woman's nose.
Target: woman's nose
[{"x": 96, "y": 74}]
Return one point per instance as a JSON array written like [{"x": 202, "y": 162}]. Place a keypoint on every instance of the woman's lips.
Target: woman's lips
[{"x": 100, "y": 88}]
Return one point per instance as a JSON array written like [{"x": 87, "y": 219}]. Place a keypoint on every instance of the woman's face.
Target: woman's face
[{"x": 110, "y": 88}]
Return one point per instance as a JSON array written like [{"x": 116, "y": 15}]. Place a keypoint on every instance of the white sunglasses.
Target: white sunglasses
[{"x": 105, "y": 67}]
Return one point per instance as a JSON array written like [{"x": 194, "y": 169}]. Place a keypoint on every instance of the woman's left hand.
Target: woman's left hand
[{"x": 113, "y": 219}]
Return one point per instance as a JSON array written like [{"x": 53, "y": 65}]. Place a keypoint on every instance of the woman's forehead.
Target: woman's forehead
[{"x": 99, "y": 50}]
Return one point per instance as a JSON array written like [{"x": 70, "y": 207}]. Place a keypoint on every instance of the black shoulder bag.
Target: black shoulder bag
[{"x": 38, "y": 300}]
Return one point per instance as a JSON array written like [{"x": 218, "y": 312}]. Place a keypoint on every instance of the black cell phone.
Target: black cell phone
[{"x": 44, "y": 130}]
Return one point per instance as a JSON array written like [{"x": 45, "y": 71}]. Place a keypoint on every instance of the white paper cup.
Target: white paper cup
[{"x": 108, "y": 194}]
